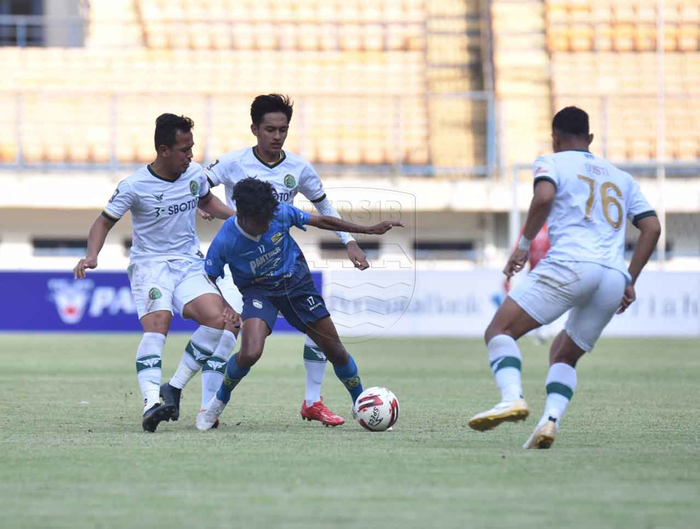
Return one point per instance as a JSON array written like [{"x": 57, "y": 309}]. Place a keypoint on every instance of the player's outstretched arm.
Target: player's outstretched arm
[
  {"x": 96, "y": 240},
  {"x": 334, "y": 224},
  {"x": 355, "y": 254},
  {"x": 212, "y": 205},
  {"x": 650, "y": 228}
]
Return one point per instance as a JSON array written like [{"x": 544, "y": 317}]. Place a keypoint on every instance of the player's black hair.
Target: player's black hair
[
  {"x": 167, "y": 126},
  {"x": 267, "y": 104},
  {"x": 571, "y": 121},
  {"x": 255, "y": 198}
]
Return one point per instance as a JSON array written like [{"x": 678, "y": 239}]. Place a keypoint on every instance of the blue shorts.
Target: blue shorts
[{"x": 300, "y": 303}]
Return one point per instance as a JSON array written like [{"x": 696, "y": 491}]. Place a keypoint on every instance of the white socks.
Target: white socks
[
  {"x": 506, "y": 362},
  {"x": 315, "y": 363},
  {"x": 214, "y": 368},
  {"x": 148, "y": 367},
  {"x": 560, "y": 386},
  {"x": 198, "y": 350}
]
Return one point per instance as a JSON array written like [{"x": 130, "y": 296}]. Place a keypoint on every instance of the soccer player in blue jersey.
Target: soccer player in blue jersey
[{"x": 270, "y": 271}]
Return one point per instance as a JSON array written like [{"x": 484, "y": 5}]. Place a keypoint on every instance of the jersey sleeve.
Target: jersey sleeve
[
  {"x": 639, "y": 208},
  {"x": 545, "y": 169},
  {"x": 295, "y": 216},
  {"x": 310, "y": 184},
  {"x": 216, "y": 255},
  {"x": 216, "y": 172},
  {"x": 122, "y": 201},
  {"x": 204, "y": 186}
]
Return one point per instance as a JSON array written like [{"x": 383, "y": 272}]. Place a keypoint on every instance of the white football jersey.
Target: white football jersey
[
  {"x": 162, "y": 212},
  {"x": 289, "y": 176},
  {"x": 592, "y": 202}
]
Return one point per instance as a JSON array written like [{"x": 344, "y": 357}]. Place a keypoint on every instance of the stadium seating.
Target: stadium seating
[
  {"x": 622, "y": 25},
  {"x": 356, "y": 69},
  {"x": 620, "y": 94},
  {"x": 350, "y": 25},
  {"x": 375, "y": 81},
  {"x": 117, "y": 82},
  {"x": 522, "y": 79},
  {"x": 454, "y": 55}
]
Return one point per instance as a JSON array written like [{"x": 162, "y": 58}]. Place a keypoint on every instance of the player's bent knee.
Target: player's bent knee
[
  {"x": 247, "y": 357},
  {"x": 491, "y": 331},
  {"x": 158, "y": 321},
  {"x": 336, "y": 354}
]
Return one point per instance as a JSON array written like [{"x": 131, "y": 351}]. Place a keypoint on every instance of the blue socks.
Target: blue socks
[
  {"x": 234, "y": 374},
  {"x": 349, "y": 377}
]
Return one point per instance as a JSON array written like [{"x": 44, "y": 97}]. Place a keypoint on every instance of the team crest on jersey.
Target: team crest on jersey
[
  {"x": 194, "y": 188},
  {"x": 154, "y": 293},
  {"x": 290, "y": 181},
  {"x": 276, "y": 237}
]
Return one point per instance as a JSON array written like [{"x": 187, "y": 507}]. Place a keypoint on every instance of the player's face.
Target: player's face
[
  {"x": 271, "y": 133},
  {"x": 179, "y": 156},
  {"x": 255, "y": 225}
]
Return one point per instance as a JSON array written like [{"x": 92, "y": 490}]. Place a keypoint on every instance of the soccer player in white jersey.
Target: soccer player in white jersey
[
  {"x": 586, "y": 202},
  {"x": 289, "y": 175},
  {"x": 166, "y": 267}
]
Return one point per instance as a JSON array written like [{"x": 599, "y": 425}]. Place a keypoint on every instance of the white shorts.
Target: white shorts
[
  {"x": 162, "y": 285},
  {"x": 230, "y": 291},
  {"x": 593, "y": 292}
]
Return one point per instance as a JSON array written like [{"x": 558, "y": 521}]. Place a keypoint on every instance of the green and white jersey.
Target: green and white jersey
[
  {"x": 592, "y": 202},
  {"x": 162, "y": 213},
  {"x": 290, "y": 175}
]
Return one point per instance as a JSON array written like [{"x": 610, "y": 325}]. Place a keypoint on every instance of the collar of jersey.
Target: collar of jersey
[
  {"x": 160, "y": 177},
  {"x": 283, "y": 157},
  {"x": 579, "y": 150},
  {"x": 245, "y": 233}
]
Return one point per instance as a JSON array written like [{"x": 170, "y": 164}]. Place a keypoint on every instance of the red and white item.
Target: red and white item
[{"x": 376, "y": 409}]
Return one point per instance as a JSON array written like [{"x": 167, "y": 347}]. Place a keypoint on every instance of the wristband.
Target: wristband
[{"x": 524, "y": 243}]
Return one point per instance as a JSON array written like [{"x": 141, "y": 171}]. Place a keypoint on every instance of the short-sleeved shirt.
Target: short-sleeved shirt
[
  {"x": 290, "y": 175},
  {"x": 162, "y": 212},
  {"x": 592, "y": 202},
  {"x": 264, "y": 261}
]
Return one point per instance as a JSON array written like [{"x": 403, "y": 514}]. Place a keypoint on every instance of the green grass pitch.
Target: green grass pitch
[{"x": 73, "y": 454}]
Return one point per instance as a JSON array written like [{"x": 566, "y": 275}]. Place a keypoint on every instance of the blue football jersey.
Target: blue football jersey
[{"x": 265, "y": 260}]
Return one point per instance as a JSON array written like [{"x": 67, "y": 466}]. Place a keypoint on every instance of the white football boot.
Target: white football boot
[
  {"x": 209, "y": 416},
  {"x": 513, "y": 411},
  {"x": 543, "y": 436}
]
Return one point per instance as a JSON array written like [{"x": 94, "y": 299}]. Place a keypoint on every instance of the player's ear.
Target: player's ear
[
  {"x": 254, "y": 129},
  {"x": 590, "y": 138},
  {"x": 163, "y": 150}
]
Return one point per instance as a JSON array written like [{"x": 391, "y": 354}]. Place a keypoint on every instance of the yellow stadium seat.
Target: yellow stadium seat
[
  {"x": 688, "y": 37},
  {"x": 688, "y": 149},
  {"x": 603, "y": 37},
  {"x": 623, "y": 37},
  {"x": 582, "y": 36}
]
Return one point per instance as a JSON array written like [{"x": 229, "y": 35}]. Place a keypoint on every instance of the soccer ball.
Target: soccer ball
[{"x": 376, "y": 409}]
